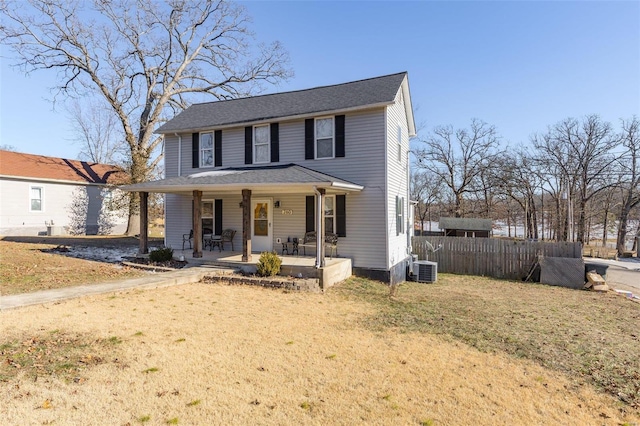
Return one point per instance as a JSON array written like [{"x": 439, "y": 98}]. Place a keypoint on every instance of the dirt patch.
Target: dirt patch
[{"x": 219, "y": 354}]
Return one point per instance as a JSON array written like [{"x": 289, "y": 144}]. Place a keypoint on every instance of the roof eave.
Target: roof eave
[
  {"x": 169, "y": 188},
  {"x": 408, "y": 106}
]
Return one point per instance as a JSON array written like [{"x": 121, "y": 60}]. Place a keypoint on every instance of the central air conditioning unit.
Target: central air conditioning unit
[{"x": 425, "y": 271}]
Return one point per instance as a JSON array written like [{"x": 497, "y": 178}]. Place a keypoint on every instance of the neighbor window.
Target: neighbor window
[
  {"x": 329, "y": 213},
  {"x": 35, "y": 198},
  {"x": 324, "y": 137},
  {"x": 206, "y": 149},
  {"x": 261, "y": 144}
]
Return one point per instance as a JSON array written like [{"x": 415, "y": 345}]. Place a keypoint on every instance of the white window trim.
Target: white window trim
[
  {"x": 399, "y": 143},
  {"x": 333, "y": 137},
  {"x": 213, "y": 149},
  {"x": 333, "y": 197},
  {"x": 41, "y": 188},
  {"x": 268, "y": 143}
]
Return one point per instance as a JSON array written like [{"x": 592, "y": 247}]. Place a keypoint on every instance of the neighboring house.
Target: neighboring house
[
  {"x": 465, "y": 227},
  {"x": 280, "y": 165},
  {"x": 47, "y": 195}
]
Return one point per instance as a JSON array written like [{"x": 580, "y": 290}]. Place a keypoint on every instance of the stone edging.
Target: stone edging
[{"x": 279, "y": 282}]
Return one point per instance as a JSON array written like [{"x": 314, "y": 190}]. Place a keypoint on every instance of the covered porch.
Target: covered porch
[
  {"x": 257, "y": 192},
  {"x": 334, "y": 270}
]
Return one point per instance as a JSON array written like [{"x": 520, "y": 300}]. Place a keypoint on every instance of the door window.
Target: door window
[{"x": 261, "y": 220}]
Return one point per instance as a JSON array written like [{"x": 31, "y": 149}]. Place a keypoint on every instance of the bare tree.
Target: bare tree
[
  {"x": 630, "y": 185},
  {"x": 96, "y": 131},
  {"x": 581, "y": 152},
  {"x": 426, "y": 189},
  {"x": 517, "y": 177},
  {"x": 141, "y": 57},
  {"x": 458, "y": 157}
]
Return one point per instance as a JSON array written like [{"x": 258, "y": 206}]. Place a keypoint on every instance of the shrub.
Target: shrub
[
  {"x": 163, "y": 254},
  {"x": 269, "y": 264}
]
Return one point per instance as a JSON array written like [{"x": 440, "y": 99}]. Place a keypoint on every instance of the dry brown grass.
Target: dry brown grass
[
  {"x": 25, "y": 268},
  {"x": 593, "y": 337},
  {"x": 217, "y": 354}
]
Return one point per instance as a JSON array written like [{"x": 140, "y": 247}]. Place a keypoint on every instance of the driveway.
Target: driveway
[{"x": 623, "y": 274}]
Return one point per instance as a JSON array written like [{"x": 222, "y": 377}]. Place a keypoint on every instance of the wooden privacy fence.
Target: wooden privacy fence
[{"x": 493, "y": 257}]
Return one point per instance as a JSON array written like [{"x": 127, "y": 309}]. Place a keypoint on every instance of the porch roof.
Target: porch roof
[{"x": 283, "y": 178}]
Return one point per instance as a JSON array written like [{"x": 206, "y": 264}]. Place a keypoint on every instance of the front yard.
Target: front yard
[
  {"x": 29, "y": 264},
  {"x": 213, "y": 354}
]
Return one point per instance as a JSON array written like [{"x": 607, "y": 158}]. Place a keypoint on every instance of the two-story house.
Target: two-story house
[{"x": 280, "y": 165}]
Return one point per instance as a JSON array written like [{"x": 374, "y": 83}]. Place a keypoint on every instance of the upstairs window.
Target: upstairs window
[
  {"x": 324, "y": 140},
  {"x": 35, "y": 199},
  {"x": 206, "y": 149},
  {"x": 261, "y": 144}
]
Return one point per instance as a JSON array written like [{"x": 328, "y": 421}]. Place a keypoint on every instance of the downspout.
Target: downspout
[
  {"x": 179, "y": 154},
  {"x": 319, "y": 228}
]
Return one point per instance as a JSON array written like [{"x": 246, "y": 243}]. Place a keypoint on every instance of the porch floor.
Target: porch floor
[
  {"x": 227, "y": 256},
  {"x": 334, "y": 271}
]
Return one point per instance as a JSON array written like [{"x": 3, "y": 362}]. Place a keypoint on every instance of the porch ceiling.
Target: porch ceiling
[{"x": 290, "y": 178}]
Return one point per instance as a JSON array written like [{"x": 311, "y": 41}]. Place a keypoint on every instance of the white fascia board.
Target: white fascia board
[
  {"x": 48, "y": 180},
  {"x": 281, "y": 187},
  {"x": 408, "y": 107},
  {"x": 279, "y": 119}
]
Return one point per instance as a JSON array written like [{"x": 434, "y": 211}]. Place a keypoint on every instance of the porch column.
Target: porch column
[
  {"x": 197, "y": 224},
  {"x": 144, "y": 223},
  {"x": 320, "y": 227},
  {"x": 246, "y": 225}
]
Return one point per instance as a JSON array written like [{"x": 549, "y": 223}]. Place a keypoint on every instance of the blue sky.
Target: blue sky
[{"x": 520, "y": 66}]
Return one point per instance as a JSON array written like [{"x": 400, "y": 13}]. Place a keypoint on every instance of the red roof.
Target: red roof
[{"x": 39, "y": 166}]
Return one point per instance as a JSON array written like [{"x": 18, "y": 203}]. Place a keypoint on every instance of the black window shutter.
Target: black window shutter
[
  {"x": 339, "y": 128},
  {"x": 248, "y": 145},
  {"x": 341, "y": 215},
  {"x": 218, "y": 217},
  {"x": 275, "y": 142},
  {"x": 309, "y": 135},
  {"x": 310, "y": 213},
  {"x": 218, "y": 147},
  {"x": 195, "y": 150}
]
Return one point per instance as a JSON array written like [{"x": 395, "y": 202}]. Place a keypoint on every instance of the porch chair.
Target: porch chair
[
  {"x": 186, "y": 238},
  {"x": 227, "y": 236}
]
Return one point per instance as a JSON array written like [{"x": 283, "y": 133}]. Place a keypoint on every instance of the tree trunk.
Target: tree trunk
[
  {"x": 133, "y": 224},
  {"x": 622, "y": 227}
]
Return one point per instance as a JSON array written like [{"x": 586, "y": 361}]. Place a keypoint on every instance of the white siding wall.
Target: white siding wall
[
  {"x": 397, "y": 182},
  {"x": 363, "y": 164},
  {"x": 17, "y": 219}
]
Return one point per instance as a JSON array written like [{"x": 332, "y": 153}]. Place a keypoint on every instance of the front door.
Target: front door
[{"x": 261, "y": 218}]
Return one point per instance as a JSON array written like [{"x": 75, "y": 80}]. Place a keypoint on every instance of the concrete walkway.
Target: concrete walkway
[{"x": 164, "y": 279}]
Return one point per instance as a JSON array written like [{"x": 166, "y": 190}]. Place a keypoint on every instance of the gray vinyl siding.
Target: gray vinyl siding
[
  {"x": 397, "y": 181},
  {"x": 16, "y": 217},
  {"x": 177, "y": 218},
  {"x": 363, "y": 164}
]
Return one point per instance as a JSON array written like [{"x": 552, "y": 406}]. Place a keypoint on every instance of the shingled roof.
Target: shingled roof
[
  {"x": 240, "y": 177},
  {"x": 16, "y": 164},
  {"x": 468, "y": 224},
  {"x": 340, "y": 97}
]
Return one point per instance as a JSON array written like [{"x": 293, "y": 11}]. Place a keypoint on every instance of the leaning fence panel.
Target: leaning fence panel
[{"x": 494, "y": 257}]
